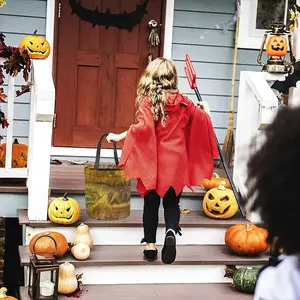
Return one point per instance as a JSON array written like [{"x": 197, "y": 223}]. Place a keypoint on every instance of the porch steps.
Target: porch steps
[{"x": 158, "y": 291}]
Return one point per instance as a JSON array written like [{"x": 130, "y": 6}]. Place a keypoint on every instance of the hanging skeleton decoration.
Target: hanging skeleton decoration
[
  {"x": 107, "y": 19},
  {"x": 153, "y": 39}
]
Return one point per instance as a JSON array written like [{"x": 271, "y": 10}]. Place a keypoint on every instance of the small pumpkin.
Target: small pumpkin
[
  {"x": 45, "y": 246},
  {"x": 214, "y": 182},
  {"x": 64, "y": 210},
  {"x": 276, "y": 46},
  {"x": 220, "y": 203},
  {"x": 246, "y": 239},
  {"x": 67, "y": 280},
  {"x": 3, "y": 295},
  {"x": 83, "y": 235},
  {"x": 37, "y": 46},
  {"x": 244, "y": 279},
  {"x": 81, "y": 251},
  {"x": 19, "y": 155}
]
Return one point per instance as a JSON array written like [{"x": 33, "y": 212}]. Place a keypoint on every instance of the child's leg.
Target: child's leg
[
  {"x": 172, "y": 216},
  {"x": 150, "y": 223}
]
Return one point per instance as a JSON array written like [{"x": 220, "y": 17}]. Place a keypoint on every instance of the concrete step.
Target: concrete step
[
  {"x": 125, "y": 265},
  {"x": 158, "y": 291},
  {"x": 197, "y": 228}
]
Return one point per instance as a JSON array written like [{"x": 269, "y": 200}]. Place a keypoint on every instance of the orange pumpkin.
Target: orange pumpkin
[
  {"x": 45, "y": 246},
  {"x": 214, "y": 182},
  {"x": 246, "y": 239},
  {"x": 276, "y": 46},
  {"x": 19, "y": 155}
]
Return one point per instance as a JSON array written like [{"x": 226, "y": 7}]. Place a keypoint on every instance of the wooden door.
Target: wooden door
[{"x": 97, "y": 72}]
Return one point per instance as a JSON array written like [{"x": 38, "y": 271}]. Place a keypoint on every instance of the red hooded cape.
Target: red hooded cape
[{"x": 177, "y": 155}]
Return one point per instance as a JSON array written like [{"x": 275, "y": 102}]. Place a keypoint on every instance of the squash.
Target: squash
[
  {"x": 83, "y": 235},
  {"x": 81, "y": 251},
  {"x": 64, "y": 210},
  {"x": 67, "y": 280},
  {"x": 220, "y": 203},
  {"x": 276, "y": 46},
  {"x": 214, "y": 182},
  {"x": 45, "y": 246},
  {"x": 19, "y": 155},
  {"x": 3, "y": 295},
  {"x": 246, "y": 239},
  {"x": 37, "y": 46},
  {"x": 244, "y": 279}
]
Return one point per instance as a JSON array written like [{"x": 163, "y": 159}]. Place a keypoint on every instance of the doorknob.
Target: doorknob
[{"x": 153, "y": 38}]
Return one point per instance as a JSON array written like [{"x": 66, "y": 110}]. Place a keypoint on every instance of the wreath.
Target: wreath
[{"x": 122, "y": 21}]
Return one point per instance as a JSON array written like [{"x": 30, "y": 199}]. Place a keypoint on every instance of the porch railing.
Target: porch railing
[
  {"x": 39, "y": 138},
  {"x": 257, "y": 107}
]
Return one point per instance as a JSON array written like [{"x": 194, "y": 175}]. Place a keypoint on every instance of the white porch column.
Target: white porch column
[{"x": 40, "y": 138}]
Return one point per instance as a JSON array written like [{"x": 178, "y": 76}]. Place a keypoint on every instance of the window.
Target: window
[{"x": 257, "y": 16}]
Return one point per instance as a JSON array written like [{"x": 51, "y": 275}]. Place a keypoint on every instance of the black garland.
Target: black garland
[{"x": 122, "y": 21}]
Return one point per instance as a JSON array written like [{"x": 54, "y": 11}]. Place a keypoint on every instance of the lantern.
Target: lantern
[
  {"x": 43, "y": 276},
  {"x": 276, "y": 50}
]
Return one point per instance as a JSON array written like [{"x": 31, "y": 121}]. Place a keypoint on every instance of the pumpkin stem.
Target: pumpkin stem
[
  {"x": 16, "y": 141},
  {"x": 3, "y": 292},
  {"x": 35, "y": 32},
  {"x": 230, "y": 270},
  {"x": 222, "y": 186},
  {"x": 248, "y": 227},
  {"x": 65, "y": 197},
  {"x": 215, "y": 175}
]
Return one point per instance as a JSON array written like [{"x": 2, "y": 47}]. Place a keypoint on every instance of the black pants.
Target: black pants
[{"x": 150, "y": 215}]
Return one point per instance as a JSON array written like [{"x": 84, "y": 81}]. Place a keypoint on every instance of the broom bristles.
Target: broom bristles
[{"x": 228, "y": 146}]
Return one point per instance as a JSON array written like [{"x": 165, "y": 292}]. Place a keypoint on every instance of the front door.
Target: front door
[{"x": 97, "y": 72}]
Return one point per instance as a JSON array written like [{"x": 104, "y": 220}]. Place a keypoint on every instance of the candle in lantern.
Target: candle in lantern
[{"x": 46, "y": 288}]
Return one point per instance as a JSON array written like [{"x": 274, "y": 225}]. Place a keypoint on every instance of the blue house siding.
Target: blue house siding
[
  {"x": 17, "y": 19},
  {"x": 211, "y": 55}
]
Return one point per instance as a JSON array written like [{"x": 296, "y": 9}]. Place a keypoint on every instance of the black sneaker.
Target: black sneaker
[
  {"x": 169, "y": 250},
  {"x": 150, "y": 254}
]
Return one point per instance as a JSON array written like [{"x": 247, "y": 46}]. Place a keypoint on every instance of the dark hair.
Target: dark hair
[{"x": 274, "y": 180}]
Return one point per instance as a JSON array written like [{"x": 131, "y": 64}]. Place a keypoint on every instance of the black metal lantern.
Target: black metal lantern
[
  {"x": 276, "y": 50},
  {"x": 43, "y": 276}
]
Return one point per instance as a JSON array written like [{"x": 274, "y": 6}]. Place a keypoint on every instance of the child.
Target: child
[
  {"x": 274, "y": 173},
  {"x": 171, "y": 146}
]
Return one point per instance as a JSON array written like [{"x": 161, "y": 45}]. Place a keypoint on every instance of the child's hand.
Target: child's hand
[
  {"x": 112, "y": 137},
  {"x": 204, "y": 105}
]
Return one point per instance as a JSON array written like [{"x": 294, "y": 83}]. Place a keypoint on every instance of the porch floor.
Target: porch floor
[{"x": 69, "y": 178}]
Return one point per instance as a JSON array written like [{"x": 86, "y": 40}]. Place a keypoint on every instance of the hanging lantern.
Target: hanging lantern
[
  {"x": 276, "y": 50},
  {"x": 43, "y": 275}
]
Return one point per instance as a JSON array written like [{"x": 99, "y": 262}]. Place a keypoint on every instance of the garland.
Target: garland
[{"x": 122, "y": 21}]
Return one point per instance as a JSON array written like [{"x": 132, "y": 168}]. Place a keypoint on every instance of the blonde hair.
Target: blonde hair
[{"x": 159, "y": 77}]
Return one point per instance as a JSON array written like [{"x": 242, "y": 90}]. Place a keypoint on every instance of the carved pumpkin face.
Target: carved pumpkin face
[
  {"x": 220, "y": 203},
  {"x": 276, "y": 46},
  {"x": 37, "y": 46},
  {"x": 64, "y": 210}
]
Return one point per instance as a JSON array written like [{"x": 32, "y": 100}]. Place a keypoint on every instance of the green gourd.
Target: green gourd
[{"x": 244, "y": 279}]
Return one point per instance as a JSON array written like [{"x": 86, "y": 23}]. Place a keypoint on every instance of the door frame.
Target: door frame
[{"x": 51, "y": 34}]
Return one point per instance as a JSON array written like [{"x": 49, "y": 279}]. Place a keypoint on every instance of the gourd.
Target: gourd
[
  {"x": 64, "y": 210},
  {"x": 83, "y": 235},
  {"x": 37, "y": 46},
  {"x": 3, "y": 295},
  {"x": 45, "y": 246},
  {"x": 214, "y": 182},
  {"x": 276, "y": 46},
  {"x": 19, "y": 155},
  {"x": 220, "y": 202},
  {"x": 246, "y": 239},
  {"x": 244, "y": 279},
  {"x": 67, "y": 281},
  {"x": 81, "y": 251}
]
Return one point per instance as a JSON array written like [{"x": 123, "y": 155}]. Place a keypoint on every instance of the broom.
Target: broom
[{"x": 228, "y": 146}]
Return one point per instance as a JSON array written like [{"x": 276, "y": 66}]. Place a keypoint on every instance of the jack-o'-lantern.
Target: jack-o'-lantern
[
  {"x": 64, "y": 210},
  {"x": 276, "y": 46},
  {"x": 220, "y": 203},
  {"x": 19, "y": 155},
  {"x": 37, "y": 46}
]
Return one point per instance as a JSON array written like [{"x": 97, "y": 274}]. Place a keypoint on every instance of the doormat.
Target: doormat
[{"x": 121, "y": 21}]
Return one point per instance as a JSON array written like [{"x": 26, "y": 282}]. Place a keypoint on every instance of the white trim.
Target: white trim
[
  {"x": 50, "y": 28},
  {"x": 168, "y": 34},
  {"x": 168, "y": 37}
]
